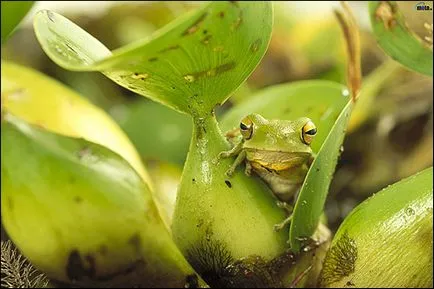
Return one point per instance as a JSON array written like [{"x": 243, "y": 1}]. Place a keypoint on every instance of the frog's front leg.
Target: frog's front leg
[
  {"x": 236, "y": 150},
  {"x": 240, "y": 158},
  {"x": 284, "y": 205},
  {"x": 282, "y": 225},
  {"x": 248, "y": 170},
  {"x": 232, "y": 152},
  {"x": 226, "y": 154}
]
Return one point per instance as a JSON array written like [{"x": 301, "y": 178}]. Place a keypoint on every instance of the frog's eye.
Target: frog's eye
[
  {"x": 308, "y": 132},
  {"x": 246, "y": 128}
]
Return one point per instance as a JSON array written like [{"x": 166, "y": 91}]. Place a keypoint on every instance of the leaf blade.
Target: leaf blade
[
  {"x": 396, "y": 219},
  {"x": 12, "y": 12},
  {"x": 313, "y": 193},
  {"x": 40, "y": 100},
  {"x": 75, "y": 197},
  {"x": 191, "y": 65},
  {"x": 397, "y": 40}
]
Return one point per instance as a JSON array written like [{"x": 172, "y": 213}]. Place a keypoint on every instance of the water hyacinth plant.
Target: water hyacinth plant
[{"x": 85, "y": 208}]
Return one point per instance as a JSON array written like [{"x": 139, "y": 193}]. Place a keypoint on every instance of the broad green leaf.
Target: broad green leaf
[
  {"x": 82, "y": 214},
  {"x": 42, "y": 101},
  {"x": 12, "y": 12},
  {"x": 386, "y": 241},
  {"x": 192, "y": 64},
  {"x": 157, "y": 131},
  {"x": 313, "y": 193},
  {"x": 321, "y": 101},
  {"x": 397, "y": 40}
]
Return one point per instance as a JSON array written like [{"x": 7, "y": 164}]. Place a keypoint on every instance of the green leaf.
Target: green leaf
[
  {"x": 157, "y": 131},
  {"x": 81, "y": 213},
  {"x": 313, "y": 193},
  {"x": 40, "y": 100},
  {"x": 327, "y": 104},
  {"x": 191, "y": 65},
  {"x": 12, "y": 12},
  {"x": 397, "y": 40},
  {"x": 320, "y": 100},
  {"x": 387, "y": 240},
  {"x": 217, "y": 219}
]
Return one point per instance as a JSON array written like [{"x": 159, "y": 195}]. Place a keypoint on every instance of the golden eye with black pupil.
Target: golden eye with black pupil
[
  {"x": 246, "y": 128},
  {"x": 308, "y": 132},
  {"x": 243, "y": 126}
]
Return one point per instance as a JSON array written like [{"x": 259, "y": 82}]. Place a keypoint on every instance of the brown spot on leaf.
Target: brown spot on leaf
[
  {"x": 103, "y": 250},
  {"x": 206, "y": 39},
  {"x": 191, "y": 281},
  {"x": 84, "y": 152},
  {"x": 237, "y": 23},
  {"x": 255, "y": 45},
  {"x": 210, "y": 257},
  {"x": 135, "y": 241},
  {"x": 70, "y": 47},
  {"x": 195, "y": 26},
  {"x": 211, "y": 72},
  {"x": 10, "y": 203},
  {"x": 219, "y": 48},
  {"x": 251, "y": 272},
  {"x": 385, "y": 12},
  {"x": 50, "y": 15},
  {"x": 173, "y": 47},
  {"x": 78, "y": 199},
  {"x": 141, "y": 76},
  {"x": 77, "y": 268},
  {"x": 340, "y": 260}
]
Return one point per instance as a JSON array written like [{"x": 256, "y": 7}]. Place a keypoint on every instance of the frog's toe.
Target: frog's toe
[
  {"x": 229, "y": 173},
  {"x": 223, "y": 155},
  {"x": 282, "y": 225},
  {"x": 278, "y": 227},
  {"x": 284, "y": 205}
]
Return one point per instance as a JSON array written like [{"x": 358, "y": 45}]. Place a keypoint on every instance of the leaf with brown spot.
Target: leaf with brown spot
[
  {"x": 211, "y": 66},
  {"x": 397, "y": 40}
]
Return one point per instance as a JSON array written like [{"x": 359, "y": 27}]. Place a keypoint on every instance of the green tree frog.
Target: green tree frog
[{"x": 278, "y": 151}]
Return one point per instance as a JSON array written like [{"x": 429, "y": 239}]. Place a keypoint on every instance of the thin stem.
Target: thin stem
[{"x": 351, "y": 33}]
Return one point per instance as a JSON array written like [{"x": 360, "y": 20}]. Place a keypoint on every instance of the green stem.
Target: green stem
[{"x": 220, "y": 219}]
